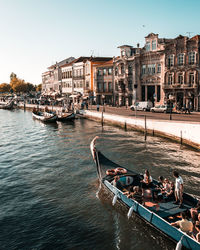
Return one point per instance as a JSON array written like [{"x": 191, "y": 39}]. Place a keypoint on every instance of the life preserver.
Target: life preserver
[
  {"x": 120, "y": 170},
  {"x": 110, "y": 172}
]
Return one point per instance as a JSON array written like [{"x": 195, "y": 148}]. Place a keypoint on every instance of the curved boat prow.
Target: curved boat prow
[{"x": 92, "y": 146}]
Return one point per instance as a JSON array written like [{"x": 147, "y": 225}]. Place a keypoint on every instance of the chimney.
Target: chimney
[{"x": 138, "y": 45}]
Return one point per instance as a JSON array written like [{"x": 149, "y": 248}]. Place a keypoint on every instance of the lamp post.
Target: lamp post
[{"x": 103, "y": 100}]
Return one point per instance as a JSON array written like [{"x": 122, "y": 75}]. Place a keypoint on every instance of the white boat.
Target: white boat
[{"x": 44, "y": 116}]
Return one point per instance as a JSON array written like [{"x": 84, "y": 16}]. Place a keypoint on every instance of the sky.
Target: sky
[{"x": 34, "y": 34}]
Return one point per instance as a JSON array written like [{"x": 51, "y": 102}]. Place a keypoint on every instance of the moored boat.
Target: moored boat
[
  {"x": 44, "y": 116},
  {"x": 159, "y": 215},
  {"x": 65, "y": 117},
  {"x": 6, "y": 105}
]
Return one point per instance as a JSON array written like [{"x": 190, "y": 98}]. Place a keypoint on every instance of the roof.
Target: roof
[
  {"x": 125, "y": 46},
  {"x": 105, "y": 64},
  {"x": 99, "y": 59},
  {"x": 65, "y": 61}
]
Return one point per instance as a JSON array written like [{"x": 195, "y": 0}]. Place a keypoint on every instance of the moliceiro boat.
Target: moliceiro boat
[
  {"x": 44, "y": 116},
  {"x": 159, "y": 215},
  {"x": 65, "y": 117},
  {"x": 6, "y": 105}
]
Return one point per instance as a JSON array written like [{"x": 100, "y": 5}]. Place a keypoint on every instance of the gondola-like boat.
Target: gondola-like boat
[
  {"x": 6, "y": 105},
  {"x": 65, "y": 117},
  {"x": 44, "y": 116},
  {"x": 158, "y": 218}
]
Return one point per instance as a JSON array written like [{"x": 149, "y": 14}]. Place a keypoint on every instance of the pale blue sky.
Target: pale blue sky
[{"x": 37, "y": 33}]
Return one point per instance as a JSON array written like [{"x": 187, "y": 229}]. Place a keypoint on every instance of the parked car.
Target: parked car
[
  {"x": 142, "y": 106},
  {"x": 161, "y": 109}
]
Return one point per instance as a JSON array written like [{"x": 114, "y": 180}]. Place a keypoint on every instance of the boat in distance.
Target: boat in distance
[
  {"x": 6, "y": 105},
  {"x": 159, "y": 216},
  {"x": 65, "y": 117},
  {"x": 44, "y": 116}
]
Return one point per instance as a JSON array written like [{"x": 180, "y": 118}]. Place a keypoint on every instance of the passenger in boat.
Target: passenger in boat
[
  {"x": 197, "y": 229},
  {"x": 195, "y": 212},
  {"x": 169, "y": 193},
  {"x": 158, "y": 188},
  {"x": 146, "y": 183},
  {"x": 116, "y": 182},
  {"x": 178, "y": 189},
  {"x": 184, "y": 224},
  {"x": 136, "y": 194}
]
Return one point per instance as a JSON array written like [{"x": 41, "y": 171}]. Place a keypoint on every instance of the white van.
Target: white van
[{"x": 143, "y": 106}]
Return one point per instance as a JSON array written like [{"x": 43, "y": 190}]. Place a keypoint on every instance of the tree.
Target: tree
[
  {"x": 12, "y": 75},
  {"x": 30, "y": 87},
  {"x": 5, "y": 87},
  {"x": 39, "y": 88}
]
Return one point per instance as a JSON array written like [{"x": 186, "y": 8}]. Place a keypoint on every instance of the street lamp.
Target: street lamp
[{"x": 103, "y": 99}]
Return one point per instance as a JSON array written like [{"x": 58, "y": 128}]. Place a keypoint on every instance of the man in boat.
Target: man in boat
[
  {"x": 178, "y": 189},
  {"x": 121, "y": 183},
  {"x": 184, "y": 224}
]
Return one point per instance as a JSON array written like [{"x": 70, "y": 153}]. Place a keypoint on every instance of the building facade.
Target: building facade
[
  {"x": 103, "y": 83},
  {"x": 182, "y": 72}
]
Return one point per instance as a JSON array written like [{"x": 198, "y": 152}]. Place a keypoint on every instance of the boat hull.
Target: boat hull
[
  {"x": 66, "y": 118},
  {"x": 47, "y": 118}
]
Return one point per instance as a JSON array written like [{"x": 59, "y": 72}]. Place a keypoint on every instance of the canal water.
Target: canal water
[{"x": 49, "y": 193}]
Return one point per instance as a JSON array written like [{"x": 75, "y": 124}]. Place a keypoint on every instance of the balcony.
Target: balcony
[{"x": 79, "y": 77}]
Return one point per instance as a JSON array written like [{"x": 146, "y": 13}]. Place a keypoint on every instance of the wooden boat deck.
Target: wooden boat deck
[{"x": 166, "y": 209}]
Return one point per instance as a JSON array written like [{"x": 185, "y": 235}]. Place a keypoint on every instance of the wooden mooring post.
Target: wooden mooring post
[{"x": 145, "y": 127}]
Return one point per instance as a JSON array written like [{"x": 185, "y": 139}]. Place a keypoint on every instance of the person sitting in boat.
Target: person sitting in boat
[
  {"x": 136, "y": 194},
  {"x": 196, "y": 236},
  {"x": 168, "y": 194},
  {"x": 158, "y": 188},
  {"x": 146, "y": 183},
  {"x": 195, "y": 212},
  {"x": 185, "y": 225}
]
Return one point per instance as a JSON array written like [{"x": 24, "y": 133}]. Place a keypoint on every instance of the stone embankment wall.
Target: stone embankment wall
[{"x": 183, "y": 132}]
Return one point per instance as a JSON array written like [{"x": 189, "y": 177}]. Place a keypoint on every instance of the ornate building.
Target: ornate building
[{"x": 182, "y": 71}]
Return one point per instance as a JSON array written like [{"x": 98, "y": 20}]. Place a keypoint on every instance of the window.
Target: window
[
  {"x": 87, "y": 84},
  {"x": 129, "y": 69},
  {"x": 154, "y": 45},
  {"x": 122, "y": 69},
  {"x": 170, "y": 79},
  {"x": 99, "y": 87},
  {"x": 143, "y": 69},
  {"x": 191, "y": 78},
  {"x": 153, "y": 69},
  {"x": 191, "y": 58},
  {"x": 104, "y": 72},
  {"x": 116, "y": 71},
  {"x": 104, "y": 87},
  {"x": 149, "y": 69},
  {"x": 109, "y": 86},
  {"x": 130, "y": 85},
  {"x": 180, "y": 78},
  {"x": 116, "y": 86},
  {"x": 148, "y": 45},
  {"x": 99, "y": 72},
  {"x": 170, "y": 60},
  {"x": 110, "y": 71},
  {"x": 159, "y": 68},
  {"x": 180, "y": 59}
]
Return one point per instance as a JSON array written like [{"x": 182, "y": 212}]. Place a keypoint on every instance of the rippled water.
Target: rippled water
[{"x": 49, "y": 190}]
